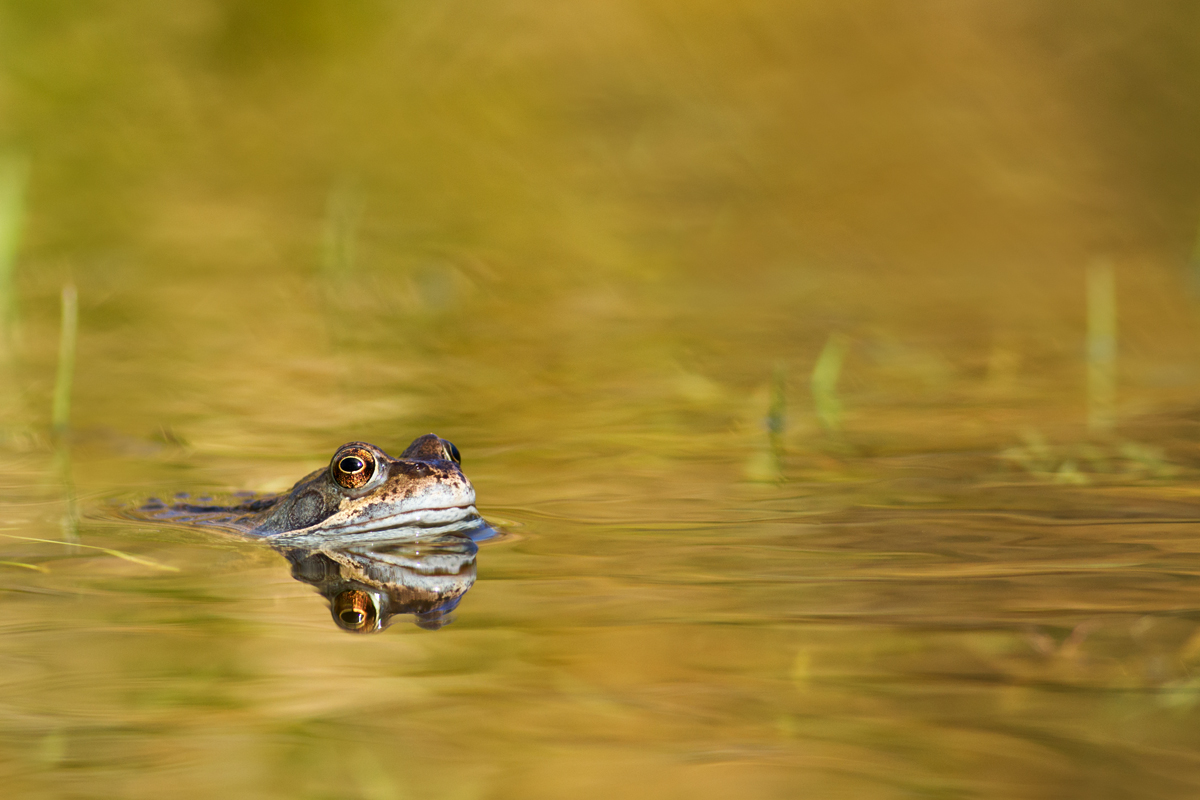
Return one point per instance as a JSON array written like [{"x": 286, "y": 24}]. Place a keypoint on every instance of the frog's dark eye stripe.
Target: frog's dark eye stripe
[
  {"x": 352, "y": 467},
  {"x": 452, "y": 452}
]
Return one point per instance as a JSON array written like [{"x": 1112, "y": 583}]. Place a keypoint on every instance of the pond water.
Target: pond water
[{"x": 829, "y": 375}]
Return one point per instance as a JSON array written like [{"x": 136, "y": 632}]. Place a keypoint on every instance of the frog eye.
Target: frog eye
[
  {"x": 452, "y": 451},
  {"x": 352, "y": 467},
  {"x": 354, "y": 611}
]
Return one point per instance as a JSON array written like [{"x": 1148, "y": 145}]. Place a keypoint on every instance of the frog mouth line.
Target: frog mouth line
[{"x": 419, "y": 521}]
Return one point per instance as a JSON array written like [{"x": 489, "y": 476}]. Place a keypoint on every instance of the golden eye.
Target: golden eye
[
  {"x": 452, "y": 452},
  {"x": 355, "y": 611},
  {"x": 352, "y": 467}
]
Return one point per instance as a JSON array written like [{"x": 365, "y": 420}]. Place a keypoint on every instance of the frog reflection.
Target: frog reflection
[{"x": 368, "y": 586}]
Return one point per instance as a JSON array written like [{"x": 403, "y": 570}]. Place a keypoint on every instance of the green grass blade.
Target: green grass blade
[
  {"x": 14, "y": 171},
  {"x": 140, "y": 560}
]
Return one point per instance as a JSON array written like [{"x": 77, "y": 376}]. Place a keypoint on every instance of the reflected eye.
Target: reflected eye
[
  {"x": 452, "y": 452},
  {"x": 353, "y": 467},
  {"x": 354, "y": 611}
]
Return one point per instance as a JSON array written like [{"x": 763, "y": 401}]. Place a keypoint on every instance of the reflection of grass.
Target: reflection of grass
[
  {"x": 767, "y": 465},
  {"x": 776, "y": 421},
  {"x": 824, "y": 380},
  {"x": 1083, "y": 463},
  {"x": 61, "y": 410},
  {"x": 1101, "y": 347},
  {"x": 60, "y": 414}
]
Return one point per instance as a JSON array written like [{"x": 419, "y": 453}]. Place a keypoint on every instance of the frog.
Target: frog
[
  {"x": 378, "y": 536},
  {"x": 363, "y": 495}
]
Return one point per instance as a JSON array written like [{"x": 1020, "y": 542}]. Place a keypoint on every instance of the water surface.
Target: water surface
[{"x": 764, "y": 333}]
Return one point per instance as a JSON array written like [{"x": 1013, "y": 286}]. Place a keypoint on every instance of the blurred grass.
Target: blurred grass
[
  {"x": 1101, "y": 347},
  {"x": 824, "y": 380},
  {"x": 60, "y": 414},
  {"x": 14, "y": 171}
]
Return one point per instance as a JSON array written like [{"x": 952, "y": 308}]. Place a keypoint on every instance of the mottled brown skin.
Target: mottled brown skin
[{"x": 425, "y": 479}]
